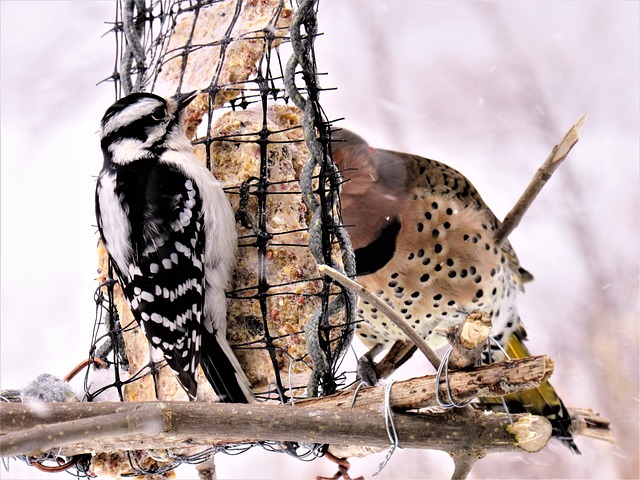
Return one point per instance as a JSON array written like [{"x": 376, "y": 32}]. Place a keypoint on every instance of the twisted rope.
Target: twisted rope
[
  {"x": 323, "y": 202},
  {"x": 133, "y": 47}
]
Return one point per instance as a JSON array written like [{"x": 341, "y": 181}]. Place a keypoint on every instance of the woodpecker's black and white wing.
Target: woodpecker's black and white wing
[{"x": 162, "y": 272}]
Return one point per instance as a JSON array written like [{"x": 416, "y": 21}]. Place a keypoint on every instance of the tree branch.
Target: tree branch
[
  {"x": 207, "y": 470},
  {"x": 399, "y": 353},
  {"x": 464, "y": 462},
  {"x": 31, "y": 427},
  {"x": 78, "y": 427},
  {"x": 590, "y": 424},
  {"x": 487, "y": 381},
  {"x": 542, "y": 175},
  {"x": 467, "y": 341},
  {"x": 176, "y": 425}
]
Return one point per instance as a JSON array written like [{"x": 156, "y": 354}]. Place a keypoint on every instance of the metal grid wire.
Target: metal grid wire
[{"x": 143, "y": 30}]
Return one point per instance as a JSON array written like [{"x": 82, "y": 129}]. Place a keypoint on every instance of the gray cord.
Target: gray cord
[
  {"x": 355, "y": 394},
  {"x": 318, "y": 231},
  {"x": 133, "y": 47},
  {"x": 444, "y": 366},
  {"x": 504, "y": 403},
  {"x": 391, "y": 428}
]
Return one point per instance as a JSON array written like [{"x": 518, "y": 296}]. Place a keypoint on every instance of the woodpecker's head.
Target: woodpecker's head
[{"x": 143, "y": 125}]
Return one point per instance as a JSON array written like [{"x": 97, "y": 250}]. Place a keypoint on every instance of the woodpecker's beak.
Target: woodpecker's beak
[{"x": 184, "y": 99}]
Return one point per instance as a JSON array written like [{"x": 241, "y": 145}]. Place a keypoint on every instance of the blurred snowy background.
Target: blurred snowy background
[{"x": 488, "y": 88}]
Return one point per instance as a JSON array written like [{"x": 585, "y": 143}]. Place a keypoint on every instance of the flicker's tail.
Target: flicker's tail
[{"x": 538, "y": 401}]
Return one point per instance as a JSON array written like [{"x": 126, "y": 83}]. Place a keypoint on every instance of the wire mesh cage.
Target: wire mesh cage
[{"x": 258, "y": 126}]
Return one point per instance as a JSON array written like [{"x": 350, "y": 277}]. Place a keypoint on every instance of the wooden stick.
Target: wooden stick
[
  {"x": 386, "y": 310},
  {"x": 557, "y": 155},
  {"x": 80, "y": 427},
  {"x": 31, "y": 427},
  {"x": 590, "y": 424},
  {"x": 487, "y": 381},
  {"x": 398, "y": 355},
  {"x": 189, "y": 424}
]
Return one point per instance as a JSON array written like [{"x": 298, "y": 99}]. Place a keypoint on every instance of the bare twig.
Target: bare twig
[
  {"x": 487, "y": 381},
  {"x": 78, "y": 427},
  {"x": 463, "y": 462},
  {"x": 591, "y": 424},
  {"x": 490, "y": 380},
  {"x": 557, "y": 155},
  {"x": 386, "y": 310},
  {"x": 207, "y": 470},
  {"x": 78, "y": 368},
  {"x": 398, "y": 354}
]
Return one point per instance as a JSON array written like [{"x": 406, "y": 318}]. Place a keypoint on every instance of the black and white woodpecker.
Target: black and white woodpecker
[{"x": 170, "y": 233}]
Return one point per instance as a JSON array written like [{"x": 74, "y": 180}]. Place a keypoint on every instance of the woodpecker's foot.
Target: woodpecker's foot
[
  {"x": 343, "y": 469},
  {"x": 366, "y": 371},
  {"x": 61, "y": 466}
]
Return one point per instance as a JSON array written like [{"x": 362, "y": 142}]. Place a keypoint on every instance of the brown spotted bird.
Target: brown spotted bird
[{"x": 423, "y": 240}]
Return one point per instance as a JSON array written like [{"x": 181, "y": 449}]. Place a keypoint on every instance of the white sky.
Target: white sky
[{"x": 485, "y": 87}]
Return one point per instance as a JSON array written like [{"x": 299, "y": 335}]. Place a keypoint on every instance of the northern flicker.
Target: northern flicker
[{"x": 423, "y": 240}]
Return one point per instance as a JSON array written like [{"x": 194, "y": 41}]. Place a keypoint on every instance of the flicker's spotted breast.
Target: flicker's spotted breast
[{"x": 424, "y": 243}]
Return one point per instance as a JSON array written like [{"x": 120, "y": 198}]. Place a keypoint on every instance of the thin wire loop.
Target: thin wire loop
[
  {"x": 355, "y": 394},
  {"x": 444, "y": 366},
  {"x": 504, "y": 402},
  {"x": 391, "y": 428}
]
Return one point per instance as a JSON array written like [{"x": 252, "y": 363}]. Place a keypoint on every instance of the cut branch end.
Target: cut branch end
[{"x": 531, "y": 432}]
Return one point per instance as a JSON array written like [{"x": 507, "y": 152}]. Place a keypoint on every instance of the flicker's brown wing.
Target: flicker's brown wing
[{"x": 370, "y": 199}]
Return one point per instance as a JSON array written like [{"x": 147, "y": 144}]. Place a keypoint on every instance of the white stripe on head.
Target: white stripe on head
[{"x": 129, "y": 114}]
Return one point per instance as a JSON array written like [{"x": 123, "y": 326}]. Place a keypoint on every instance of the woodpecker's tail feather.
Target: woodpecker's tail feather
[
  {"x": 222, "y": 369},
  {"x": 542, "y": 401}
]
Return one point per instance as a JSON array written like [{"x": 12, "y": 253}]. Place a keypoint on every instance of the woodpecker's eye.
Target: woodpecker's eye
[{"x": 159, "y": 114}]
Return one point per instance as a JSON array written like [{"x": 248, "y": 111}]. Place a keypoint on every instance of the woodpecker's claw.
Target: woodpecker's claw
[{"x": 343, "y": 469}]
